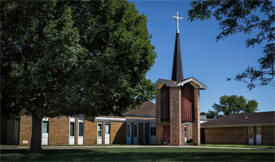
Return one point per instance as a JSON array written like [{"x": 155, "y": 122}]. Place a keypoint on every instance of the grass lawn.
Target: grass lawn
[
  {"x": 240, "y": 146},
  {"x": 140, "y": 154}
]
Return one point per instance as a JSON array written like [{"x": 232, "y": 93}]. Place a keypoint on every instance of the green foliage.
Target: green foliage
[
  {"x": 254, "y": 18},
  {"x": 65, "y": 58},
  {"x": 232, "y": 105}
]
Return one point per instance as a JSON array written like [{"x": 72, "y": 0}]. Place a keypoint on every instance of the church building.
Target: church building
[{"x": 177, "y": 105}]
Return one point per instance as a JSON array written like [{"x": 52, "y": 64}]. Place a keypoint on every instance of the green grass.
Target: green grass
[
  {"x": 240, "y": 146},
  {"x": 139, "y": 154}
]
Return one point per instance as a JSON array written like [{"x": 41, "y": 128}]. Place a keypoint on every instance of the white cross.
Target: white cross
[{"x": 177, "y": 18}]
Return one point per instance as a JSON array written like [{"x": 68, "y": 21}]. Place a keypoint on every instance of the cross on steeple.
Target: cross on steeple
[{"x": 177, "y": 18}]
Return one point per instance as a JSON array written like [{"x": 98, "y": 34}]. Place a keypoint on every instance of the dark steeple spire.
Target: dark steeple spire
[{"x": 177, "y": 73}]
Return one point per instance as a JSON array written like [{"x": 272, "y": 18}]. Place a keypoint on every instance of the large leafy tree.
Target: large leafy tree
[
  {"x": 65, "y": 58},
  {"x": 232, "y": 105},
  {"x": 254, "y": 18}
]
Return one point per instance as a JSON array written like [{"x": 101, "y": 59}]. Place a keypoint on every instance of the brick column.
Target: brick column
[
  {"x": 103, "y": 132},
  {"x": 196, "y": 125},
  {"x": 76, "y": 131},
  {"x": 175, "y": 116}
]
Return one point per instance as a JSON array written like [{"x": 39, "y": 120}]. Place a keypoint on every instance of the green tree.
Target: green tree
[
  {"x": 232, "y": 105},
  {"x": 66, "y": 58},
  {"x": 254, "y": 18}
]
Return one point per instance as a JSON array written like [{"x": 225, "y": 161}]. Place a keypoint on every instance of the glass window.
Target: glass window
[
  {"x": 128, "y": 130},
  {"x": 99, "y": 130},
  {"x": 81, "y": 129},
  {"x": 45, "y": 127},
  {"x": 107, "y": 129},
  {"x": 152, "y": 131},
  {"x": 72, "y": 129},
  {"x": 135, "y": 130}
]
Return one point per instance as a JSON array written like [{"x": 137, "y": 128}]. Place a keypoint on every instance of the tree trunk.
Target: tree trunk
[{"x": 36, "y": 134}]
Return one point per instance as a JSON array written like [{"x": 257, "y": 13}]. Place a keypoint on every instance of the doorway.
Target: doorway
[
  {"x": 107, "y": 133},
  {"x": 45, "y": 131}
]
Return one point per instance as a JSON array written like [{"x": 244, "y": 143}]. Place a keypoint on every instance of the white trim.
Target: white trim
[
  {"x": 45, "y": 119},
  {"x": 109, "y": 119},
  {"x": 201, "y": 86}
]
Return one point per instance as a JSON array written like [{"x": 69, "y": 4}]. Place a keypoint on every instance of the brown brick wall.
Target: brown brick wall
[
  {"x": 196, "y": 124},
  {"x": 59, "y": 130},
  {"x": 175, "y": 116},
  {"x": 231, "y": 135},
  {"x": 268, "y": 135},
  {"x": 90, "y": 132},
  {"x": 118, "y": 133},
  {"x": 25, "y": 129}
]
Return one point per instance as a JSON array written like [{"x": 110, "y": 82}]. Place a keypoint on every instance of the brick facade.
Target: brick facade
[
  {"x": 25, "y": 130},
  {"x": 268, "y": 135},
  {"x": 230, "y": 135},
  {"x": 59, "y": 130}
]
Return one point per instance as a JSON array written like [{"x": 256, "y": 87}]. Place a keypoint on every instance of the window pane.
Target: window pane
[
  {"x": 81, "y": 129},
  {"x": 152, "y": 131},
  {"x": 107, "y": 128},
  {"x": 45, "y": 127},
  {"x": 71, "y": 129},
  {"x": 99, "y": 130},
  {"x": 135, "y": 130},
  {"x": 128, "y": 130}
]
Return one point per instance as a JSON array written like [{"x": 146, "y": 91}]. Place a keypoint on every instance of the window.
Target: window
[
  {"x": 128, "y": 130},
  {"x": 81, "y": 129},
  {"x": 45, "y": 127},
  {"x": 99, "y": 130},
  {"x": 152, "y": 131},
  {"x": 72, "y": 129},
  {"x": 135, "y": 130},
  {"x": 185, "y": 132},
  {"x": 107, "y": 129}
]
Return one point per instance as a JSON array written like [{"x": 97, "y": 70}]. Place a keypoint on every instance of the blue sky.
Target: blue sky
[{"x": 205, "y": 59}]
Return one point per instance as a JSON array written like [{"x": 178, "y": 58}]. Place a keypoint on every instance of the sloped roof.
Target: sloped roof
[
  {"x": 250, "y": 119},
  {"x": 172, "y": 83},
  {"x": 147, "y": 109}
]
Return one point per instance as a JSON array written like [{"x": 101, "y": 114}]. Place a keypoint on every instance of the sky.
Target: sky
[{"x": 204, "y": 58}]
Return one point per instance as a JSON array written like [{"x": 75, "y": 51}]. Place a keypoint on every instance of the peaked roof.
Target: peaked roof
[
  {"x": 172, "y": 83},
  {"x": 250, "y": 119},
  {"x": 147, "y": 109},
  {"x": 177, "y": 72}
]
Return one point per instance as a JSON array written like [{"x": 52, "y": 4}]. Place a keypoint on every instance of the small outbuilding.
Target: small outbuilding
[{"x": 252, "y": 128}]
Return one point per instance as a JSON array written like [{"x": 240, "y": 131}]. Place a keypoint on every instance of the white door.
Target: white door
[
  {"x": 136, "y": 133},
  {"x": 99, "y": 133},
  {"x": 250, "y": 136},
  {"x": 128, "y": 134},
  {"x": 107, "y": 133},
  {"x": 45, "y": 131},
  {"x": 80, "y": 131},
  {"x": 72, "y": 131},
  {"x": 152, "y": 133}
]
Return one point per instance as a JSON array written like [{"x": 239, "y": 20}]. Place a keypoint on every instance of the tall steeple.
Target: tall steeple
[{"x": 177, "y": 72}]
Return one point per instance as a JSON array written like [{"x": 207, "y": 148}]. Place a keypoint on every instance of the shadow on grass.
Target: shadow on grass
[{"x": 133, "y": 155}]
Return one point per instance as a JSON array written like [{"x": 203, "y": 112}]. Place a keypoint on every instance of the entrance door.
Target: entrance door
[
  {"x": 152, "y": 135},
  {"x": 72, "y": 131},
  {"x": 136, "y": 133},
  {"x": 99, "y": 133},
  {"x": 128, "y": 134},
  {"x": 166, "y": 134},
  {"x": 107, "y": 133},
  {"x": 80, "y": 132},
  {"x": 250, "y": 136},
  {"x": 45, "y": 131}
]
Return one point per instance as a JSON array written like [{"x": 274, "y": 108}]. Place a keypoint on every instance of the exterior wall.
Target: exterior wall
[
  {"x": 175, "y": 116},
  {"x": 159, "y": 125},
  {"x": 59, "y": 130},
  {"x": 268, "y": 135},
  {"x": 90, "y": 131},
  {"x": 25, "y": 130},
  {"x": 118, "y": 133},
  {"x": 230, "y": 135},
  {"x": 196, "y": 124}
]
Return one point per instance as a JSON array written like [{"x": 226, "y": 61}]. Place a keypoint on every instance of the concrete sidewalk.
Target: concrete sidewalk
[{"x": 53, "y": 147}]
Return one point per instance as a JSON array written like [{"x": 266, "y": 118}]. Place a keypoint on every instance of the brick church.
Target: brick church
[{"x": 166, "y": 122}]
